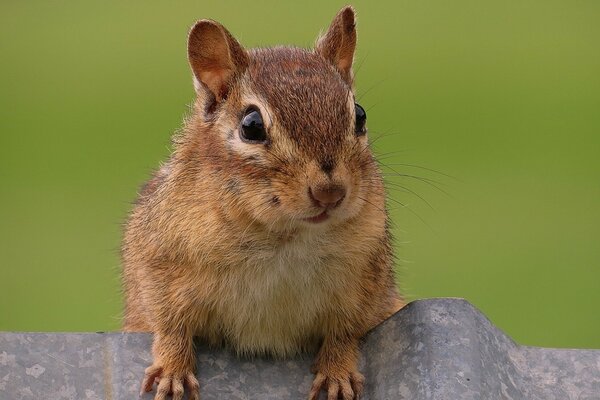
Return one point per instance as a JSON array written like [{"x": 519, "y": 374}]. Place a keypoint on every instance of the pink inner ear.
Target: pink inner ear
[
  {"x": 345, "y": 62},
  {"x": 344, "y": 56},
  {"x": 216, "y": 79}
]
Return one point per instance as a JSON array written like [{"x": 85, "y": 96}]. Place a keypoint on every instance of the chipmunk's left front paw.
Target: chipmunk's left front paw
[
  {"x": 347, "y": 386},
  {"x": 169, "y": 383}
]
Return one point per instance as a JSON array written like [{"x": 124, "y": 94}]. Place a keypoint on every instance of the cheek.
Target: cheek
[
  {"x": 288, "y": 194},
  {"x": 264, "y": 195},
  {"x": 359, "y": 177},
  {"x": 233, "y": 186},
  {"x": 275, "y": 200}
]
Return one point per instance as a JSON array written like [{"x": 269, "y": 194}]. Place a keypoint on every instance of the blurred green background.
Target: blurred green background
[{"x": 504, "y": 96}]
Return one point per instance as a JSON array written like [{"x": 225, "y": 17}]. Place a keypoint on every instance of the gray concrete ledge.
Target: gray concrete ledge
[{"x": 432, "y": 349}]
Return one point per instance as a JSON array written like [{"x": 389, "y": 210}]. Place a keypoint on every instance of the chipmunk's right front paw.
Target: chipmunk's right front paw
[
  {"x": 170, "y": 382},
  {"x": 345, "y": 386}
]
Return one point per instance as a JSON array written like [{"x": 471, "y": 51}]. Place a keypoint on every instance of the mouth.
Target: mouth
[{"x": 318, "y": 218}]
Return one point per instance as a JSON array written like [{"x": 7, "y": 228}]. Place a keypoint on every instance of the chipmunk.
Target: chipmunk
[{"x": 267, "y": 228}]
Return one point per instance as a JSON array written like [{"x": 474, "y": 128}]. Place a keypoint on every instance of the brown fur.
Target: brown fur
[{"x": 217, "y": 245}]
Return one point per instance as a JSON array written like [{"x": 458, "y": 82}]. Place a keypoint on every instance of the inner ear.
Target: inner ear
[
  {"x": 337, "y": 45},
  {"x": 215, "y": 57}
]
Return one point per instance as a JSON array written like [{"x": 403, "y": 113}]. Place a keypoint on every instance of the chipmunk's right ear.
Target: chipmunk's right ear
[
  {"x": 337, "y": 45},
  {"x": 216, "y": 58}
]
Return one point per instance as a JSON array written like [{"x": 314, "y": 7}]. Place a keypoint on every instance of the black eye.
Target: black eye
[
  {"x": 252, "y": 128},
  {"x": 361, "y": 120}
]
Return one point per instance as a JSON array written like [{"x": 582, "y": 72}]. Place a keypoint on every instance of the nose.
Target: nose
[{"x": 328, "y": 196}]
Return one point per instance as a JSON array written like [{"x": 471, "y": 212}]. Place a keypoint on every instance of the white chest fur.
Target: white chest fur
[{"x": 275, "y": 300}]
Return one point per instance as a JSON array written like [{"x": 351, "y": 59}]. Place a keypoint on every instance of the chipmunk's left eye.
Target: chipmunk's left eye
[
  {"x": 252, "y": 127},
  {"x": 361, "y": 120}
]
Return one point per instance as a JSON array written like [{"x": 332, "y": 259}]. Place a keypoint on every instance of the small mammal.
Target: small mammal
[{"x": 266, "y": 229}]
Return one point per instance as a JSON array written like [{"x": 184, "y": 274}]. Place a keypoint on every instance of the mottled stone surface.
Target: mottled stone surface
[{"x": 432, "y": 349}]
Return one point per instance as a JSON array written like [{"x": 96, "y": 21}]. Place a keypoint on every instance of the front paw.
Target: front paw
[
  {"x": 170, "y": 382},
  {"x": 347, "y": 386}
]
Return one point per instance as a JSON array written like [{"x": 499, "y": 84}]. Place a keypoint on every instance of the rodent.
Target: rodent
[{"x": 267, "y": 228}]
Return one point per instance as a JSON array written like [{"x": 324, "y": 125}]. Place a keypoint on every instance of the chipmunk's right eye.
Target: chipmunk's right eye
[
  {"x": 252, "y": 129},
  {"x": 361, "y": 120}
]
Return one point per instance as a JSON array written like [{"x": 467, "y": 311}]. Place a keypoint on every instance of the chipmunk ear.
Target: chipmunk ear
[
  {"x": 338, "y": 43},
  {"x": 215, "y": 57}
]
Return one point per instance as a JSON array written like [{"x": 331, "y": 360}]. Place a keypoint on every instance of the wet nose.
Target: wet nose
[{"x": 328, "y": 195}]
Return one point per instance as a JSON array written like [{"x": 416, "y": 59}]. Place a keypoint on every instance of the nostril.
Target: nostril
[{"x": 328, "y": 195}]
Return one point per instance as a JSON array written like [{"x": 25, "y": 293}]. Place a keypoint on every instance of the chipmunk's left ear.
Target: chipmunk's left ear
[
  {"x": 338, "y": 43},
  {"x": 216, "y": 58}
]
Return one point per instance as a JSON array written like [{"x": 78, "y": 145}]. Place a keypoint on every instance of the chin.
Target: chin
[{"x": 326, "y": 219}]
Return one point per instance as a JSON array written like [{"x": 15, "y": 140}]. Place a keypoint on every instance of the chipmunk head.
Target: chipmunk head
[{"x": 282, "y": 126}]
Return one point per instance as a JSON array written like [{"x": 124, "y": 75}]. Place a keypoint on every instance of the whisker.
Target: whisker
[
  {"x": 383, "y": 156},
  {"x": 407, "y": 190},
  {"x": 372, "y": 106},
  {"x": 426, "y": 181},
  {"x": 359, "y": 66},
  {"x": 405, "y": 206},
  {"x": 423, "y": 168},
  {"x": 371, "y": 88},
  {"x": 371, "y": 203}
]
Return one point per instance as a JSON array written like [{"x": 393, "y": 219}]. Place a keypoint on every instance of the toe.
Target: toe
[
  {"x": 346, "y": 390},
  {"x": 164, "y": 388},
  {"x": 333, "y": 390},
  {"x": 193, "y": 386},
  {"x": 358, "y": 381},
  {"x": 318, "y": 383},
  {"x": 177, "y": 389},
  {"x": 150, "y": 375}
]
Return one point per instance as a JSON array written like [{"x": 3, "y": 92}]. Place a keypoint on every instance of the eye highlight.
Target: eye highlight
[
  {"x": 361, "y": 120},
  {"x": 252, "y": 127}
]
